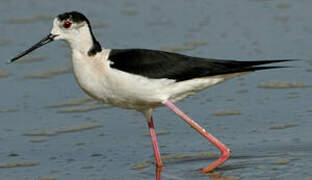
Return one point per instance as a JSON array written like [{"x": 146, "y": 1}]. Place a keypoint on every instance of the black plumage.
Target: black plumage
[{"x": 160, "y": 64}]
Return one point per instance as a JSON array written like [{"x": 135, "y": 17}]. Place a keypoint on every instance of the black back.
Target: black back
[{"x": 159, "y": 64}]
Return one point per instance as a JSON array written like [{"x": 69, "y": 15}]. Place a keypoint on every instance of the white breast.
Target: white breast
[
  {"x": 90, "y": 74},
  {"x": 115, "y": 87}
]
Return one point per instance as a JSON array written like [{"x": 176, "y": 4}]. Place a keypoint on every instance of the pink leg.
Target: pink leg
[
  {"x": 154, "y": 142},
  {"x": 225, "y": 152}
]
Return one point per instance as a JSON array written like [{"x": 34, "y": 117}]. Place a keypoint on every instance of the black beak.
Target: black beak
[{"x": 44, "y": 41}]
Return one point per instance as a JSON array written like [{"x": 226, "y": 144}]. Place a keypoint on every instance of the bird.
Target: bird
[{"x": 144, "y": 79}]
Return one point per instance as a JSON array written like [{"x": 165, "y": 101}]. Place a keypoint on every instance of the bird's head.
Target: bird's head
[
  {"x": 74, "y": 28},
  {"x": 70, "y": 26}
]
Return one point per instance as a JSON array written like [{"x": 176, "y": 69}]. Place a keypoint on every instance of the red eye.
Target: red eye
[{"x": 67, "y": 24}]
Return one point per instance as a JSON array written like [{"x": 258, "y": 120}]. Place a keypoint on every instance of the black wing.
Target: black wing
[{"x": 159, "y": 64}]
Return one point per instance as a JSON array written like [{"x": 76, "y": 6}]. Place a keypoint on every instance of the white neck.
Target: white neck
[{"x": 82, "y": 43}]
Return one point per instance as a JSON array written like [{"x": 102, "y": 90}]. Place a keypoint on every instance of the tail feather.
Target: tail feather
[
  {"x": 229, "y": 67},
  {"x": 258, "y": 68},
  {"x": 263, "y": 62}
]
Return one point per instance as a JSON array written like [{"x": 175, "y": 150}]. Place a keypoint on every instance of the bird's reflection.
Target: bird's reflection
[{"x": 158, "y": 173}]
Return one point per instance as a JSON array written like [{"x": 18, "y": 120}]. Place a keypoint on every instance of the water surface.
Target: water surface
[{"x": 50, "y": 129}]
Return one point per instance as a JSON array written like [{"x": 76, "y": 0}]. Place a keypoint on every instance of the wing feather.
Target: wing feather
[{"x": 160, "y": 64}]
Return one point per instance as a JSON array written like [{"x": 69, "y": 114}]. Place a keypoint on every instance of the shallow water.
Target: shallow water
[{"x": 50, "y": 130}]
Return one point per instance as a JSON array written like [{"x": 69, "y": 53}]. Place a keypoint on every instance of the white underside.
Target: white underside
[{"x": 131, "y": 91}]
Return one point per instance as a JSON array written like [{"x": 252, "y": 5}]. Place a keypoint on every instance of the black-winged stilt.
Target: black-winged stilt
[{"x": 143, "y": 79}]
